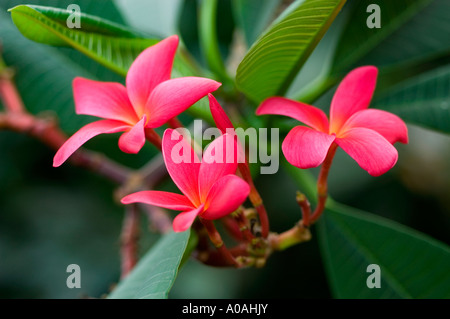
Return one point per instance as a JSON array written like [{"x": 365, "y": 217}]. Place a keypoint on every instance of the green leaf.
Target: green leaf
[
  {"x": 422, "y": 38},
  {"x": 253, "y": 16},
  {"x": 104, "y": 9},
  {"x": 412, "y": 264},
  {"x": 275, "y": 59},
  {"x": 108, "y": 43},
  {"x": 42, "y": 74},
  {"x": 423, "y": 99},
  {"x": 208, "y": 39},
  {"x": 357, "y": 39},
  {"x": 155, "y": 273}
]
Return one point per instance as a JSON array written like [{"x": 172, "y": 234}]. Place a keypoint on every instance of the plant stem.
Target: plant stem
[
  {"x": 46, "y": 131},
  {"x": 175, "y": 123},
  {"x": 296, "y": 235},
  {"x": 322, "y": 184},
  {"x": 256, "y": 199},
  {"x": 154, "y": 138},
  {"x": 217, "y": 241},
  {"x": 129, "y": 239},
  {"x": 8, "y": 92},
  {"x": 303, "y": 202},
  {"x": 243, "y": 224}
]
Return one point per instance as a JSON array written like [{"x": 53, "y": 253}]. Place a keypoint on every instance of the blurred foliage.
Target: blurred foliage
[{"x": 50, "y": 218}]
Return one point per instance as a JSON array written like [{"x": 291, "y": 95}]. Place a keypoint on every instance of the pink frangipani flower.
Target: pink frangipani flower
[
  {"x": 149, "y": 100},
  {"x": 210, "y": 187},
  {"x": 367, "y": 135}
]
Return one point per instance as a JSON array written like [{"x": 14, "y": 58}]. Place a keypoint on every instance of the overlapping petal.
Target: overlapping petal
[
  {"x": 353, "y": 94},
  {"x": 84, "y": 134},
  {"x": 387, "y": 124},
  {"x": 224, "y": 124},
  {"x": 220, "y": 117},
  {"x": 307, "y": 114},
  {"x": 219, "y": 159},
  {"x": 174, "y": 96},
  {"x": 132, "y": 141},
  {"x": 225, "y": 196},
  {"x": 184, "y": 220},
  {"x": 152, "y": 67},
  {"x": 182, "y": 164},
  {"x": 107, "y": 100},
  {"x": 305, "y": 148},
  {"x": 159, "y": 198},
  {"x": 369, "y": 149}
]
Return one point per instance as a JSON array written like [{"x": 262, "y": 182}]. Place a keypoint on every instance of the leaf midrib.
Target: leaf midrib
[{"x": 74, "y": 43}]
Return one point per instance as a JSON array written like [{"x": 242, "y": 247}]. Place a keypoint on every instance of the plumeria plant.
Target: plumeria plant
[{"x": 206, "y": 119}]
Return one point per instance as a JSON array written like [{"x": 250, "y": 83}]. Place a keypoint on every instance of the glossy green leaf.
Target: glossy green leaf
[
  {"x": 208, "y": 38},
  {"x": 423, "y": 99},
  {"x": 275, "y": 59},
  {"x": 42, "y": 74},
  {"x": 424, "y": 37},
  {"x": 357, "y": 40},
  {"x": 103, "y": 8},
  {"x": 412, "y": 265},
  {"x": 108, "y": 43},
  {"x": 253, "y": 16},
  {"x": 155, "y": 273}
]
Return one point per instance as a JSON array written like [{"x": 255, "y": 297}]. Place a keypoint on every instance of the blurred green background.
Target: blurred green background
[{"x": 50, "y": 218}]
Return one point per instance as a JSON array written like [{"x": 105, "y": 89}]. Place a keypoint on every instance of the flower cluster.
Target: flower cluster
[{"x": 210, "y": 187}]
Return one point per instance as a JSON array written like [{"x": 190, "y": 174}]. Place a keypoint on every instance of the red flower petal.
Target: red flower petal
[
  {"x": 84, "y": 134},
  {"x": 352, "y": 95},
  {"x": 152, "y": 67},
  {"x": 308, "y": 114},
  {"x": 174, "y": 96},
  {"x": 219, "y": 159},
  {"x": 225, "y": 196},
  {"x": 132, "y": 141},
  {"x": 159, "y": 198},
  {"x": 182, "y": 164},
  {"x": 184, "y": 220},
  {"x": 389, "y": 125},
  {"x": 103, "y": 99},
  {"x": 306, "y": 148},
  {"x": 369, "y": 149},
  {"x": 220, "y": 117}
]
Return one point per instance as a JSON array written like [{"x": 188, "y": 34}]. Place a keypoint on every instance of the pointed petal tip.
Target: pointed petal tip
[{"x": 183, "y": 221}]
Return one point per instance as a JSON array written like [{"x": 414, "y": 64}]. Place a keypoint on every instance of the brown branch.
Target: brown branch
[
  {"x": 8, "y": 91},
  {"x": 47, "y": 131},
  {"x": 129, "y": 239}
]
